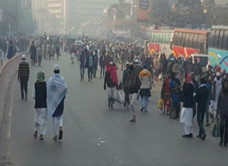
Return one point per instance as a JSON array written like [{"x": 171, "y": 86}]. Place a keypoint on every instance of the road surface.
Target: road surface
[{"x": 95, "y": 135}]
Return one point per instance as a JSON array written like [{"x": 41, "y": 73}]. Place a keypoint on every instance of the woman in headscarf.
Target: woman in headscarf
[
  {"x": 111, "y": 80},
  {"x": 40, "y": 96},
  {"x": 187, "y": 110}
]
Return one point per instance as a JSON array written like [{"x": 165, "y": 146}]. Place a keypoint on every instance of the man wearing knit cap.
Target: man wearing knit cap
[
  {"x": 56, "y": 92},
  {"x": 23, "y": 77}
]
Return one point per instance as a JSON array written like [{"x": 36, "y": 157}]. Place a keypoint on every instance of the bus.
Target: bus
[
  {"x": 218, "y": 47},
  {"x": 187, "y": 42},
  {"x": 160, "y": 41}
]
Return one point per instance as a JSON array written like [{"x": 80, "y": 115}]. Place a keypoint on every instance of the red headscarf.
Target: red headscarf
[{"x": 189, "y": 79}]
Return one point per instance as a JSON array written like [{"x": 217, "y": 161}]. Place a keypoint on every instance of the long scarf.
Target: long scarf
[{"x": 56, "y": 91}]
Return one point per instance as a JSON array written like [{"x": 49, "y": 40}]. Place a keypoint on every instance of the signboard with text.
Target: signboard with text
[{"x": 144, "y": 10}]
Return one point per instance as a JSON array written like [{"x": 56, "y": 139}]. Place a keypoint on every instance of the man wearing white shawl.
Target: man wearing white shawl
[{"x": 56, "y": 92}]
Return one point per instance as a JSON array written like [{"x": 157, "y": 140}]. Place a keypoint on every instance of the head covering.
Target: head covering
[
  {"x": 218, "y": 74},
  {"x": 40, "y": 76},
  {"x": 56, "y": 67},
  {"x": 23, "y": 57},
  {"x": 189, "y": 79}
]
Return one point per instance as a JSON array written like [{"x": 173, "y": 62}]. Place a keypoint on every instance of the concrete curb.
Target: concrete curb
[{"x": 7, "y": 71}]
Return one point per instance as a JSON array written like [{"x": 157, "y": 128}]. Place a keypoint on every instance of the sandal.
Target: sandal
[
  {"x": 55, "y": 138},
  {"x": 35, "y": 134},
  {"x": 60, "y": 134},
  {"x": 41, "y": 137}
]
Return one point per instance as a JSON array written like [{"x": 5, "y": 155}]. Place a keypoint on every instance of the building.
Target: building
[
  {"x": 57, "y": 8},
  {"x": 79, "y": 11},
  {"x": 38, "y": 5}
]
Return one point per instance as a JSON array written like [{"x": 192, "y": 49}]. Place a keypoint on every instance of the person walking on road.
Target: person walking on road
[
  {"x": 39, "y": 54},
  {"x": 102, "y": 63},
  {"x": 175, "y": 89},
  {"x": 11, "y": 50},
  {"x": 95, "y": 64},
  {"x": 134, "y": 86},
  {"x": 146, "y": 85},
  {"x": 111, "y": 82},
  {"x": 201, "y": 98},
  {"x": 217, "y": 86},
  {"x": 23, "y": 77},
  {"x": 33, "y": 53},
  {"x": 56, "y": 92},
  {"x": 222, "y": 112},
  {"x": 40, "y": 96},
  {"x": 125, "y": 85},
  {"x": 89, "y": 65},
  {"x": 83, "y": 57},
  {"x": 187, "y": 110}
]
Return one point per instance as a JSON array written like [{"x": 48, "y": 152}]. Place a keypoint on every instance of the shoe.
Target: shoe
[
  {"x": 60, "y": 134},
  {"x": 35, "y": 134},
  {"x": 141, "y": 110},
  {"x": 55, "y": 138},
  {"x": 220, "y": 143},
  {"x": 41, "y": 137},
  {"x": 204, "y": 136},
  {"x": 187, "y": 135},
  {"x": 133, "y": 119},
  {"x": 199, "y": 136},
  {"x": 145, "y": 111},
  {"x": 225, "y": 144},
  {"x": 25, "y": 98}
]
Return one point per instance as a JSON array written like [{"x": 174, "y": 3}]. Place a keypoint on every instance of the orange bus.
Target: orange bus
[{"x": 187, "y": 42}]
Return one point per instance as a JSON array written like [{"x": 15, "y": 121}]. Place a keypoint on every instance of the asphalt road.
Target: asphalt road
[{"x": 94, "y": 135}]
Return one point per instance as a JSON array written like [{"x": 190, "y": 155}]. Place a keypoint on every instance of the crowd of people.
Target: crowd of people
[{"x": 187, "y": 91}]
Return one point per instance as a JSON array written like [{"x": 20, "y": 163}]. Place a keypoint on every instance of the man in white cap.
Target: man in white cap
[
  {"x": 56, "y": 93},
  {"x": 23, "y": 77}
]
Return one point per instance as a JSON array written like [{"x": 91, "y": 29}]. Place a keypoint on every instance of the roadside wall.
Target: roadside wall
[{"x": 7, "y": 71}]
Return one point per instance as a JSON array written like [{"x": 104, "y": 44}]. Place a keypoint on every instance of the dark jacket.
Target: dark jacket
[
  {"x": 222, "y": 106},
  {"x": 32, "y": 50},
  {"x": 11, "y": 51},
  {"x": 134, "y": 82},
  {"x": 40, "y": 95},
  {"x": 103, "y": 60},
  {"x": 95, "y": 60},
  {"x": 108, "y": 80},
  {"x": 188, "y": 90},
  {"x": 82, "y": 59},
  {"x": 202, "y": 97},
  {"x": 87, "y": 61}
]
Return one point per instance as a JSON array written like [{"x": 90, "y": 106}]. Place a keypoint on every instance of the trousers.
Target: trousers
[
  {"x": 24, "y": 86},
  {"x": 57, "y": 122}
]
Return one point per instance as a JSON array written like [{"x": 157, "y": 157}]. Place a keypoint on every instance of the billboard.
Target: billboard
[{"x": 144, "y": 10}]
